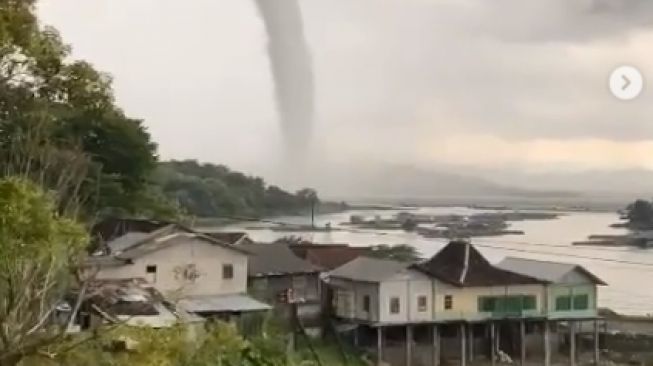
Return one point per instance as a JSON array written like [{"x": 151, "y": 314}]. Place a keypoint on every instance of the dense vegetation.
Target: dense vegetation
[
  {"x": 208, "y": 190},
  {"x": 640, "y": 214}
]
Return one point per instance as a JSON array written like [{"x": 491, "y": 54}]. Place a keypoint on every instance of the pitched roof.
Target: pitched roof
[
  {"x": 460, "y": 264},
  {"x": 165, "y": 240},
  {"x": 328, "y": 256},
  {"x": 369, "y": 269},
  {"x": 232, "y": 238},
  {"x": 275, "y": 259},
  {"x": 545, "y": 270},
  {"x": 112, "y": 228}
]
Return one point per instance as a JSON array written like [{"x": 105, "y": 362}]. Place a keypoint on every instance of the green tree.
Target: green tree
[
  {"x": 40, "y": 251},
  {"x": 54, "y": 111},
  {"x": 400, "y": 252},
  {"x": 640, "y": 213}
]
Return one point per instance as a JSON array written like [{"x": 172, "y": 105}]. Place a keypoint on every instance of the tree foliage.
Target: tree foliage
[
  {"x": 640, "y": 213},
  {"x": 180, "y": 345},
  {"x": 400, "y": 252},
  {"x": 208, "y": 190},
  {"x": 54, "y": 108},
  {"x": 39, "y": 250}
]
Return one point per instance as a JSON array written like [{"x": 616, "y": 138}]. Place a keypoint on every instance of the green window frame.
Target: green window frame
[
  {"x": 581, "y": 302},
  {"x": 487, "y": 304},
  {"x": 510, "y": 304},
  {"x": 563, "y": 303}
]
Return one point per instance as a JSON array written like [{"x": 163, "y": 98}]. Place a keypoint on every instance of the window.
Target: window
[
  {"x": 227, "y": 271},
  {"x": 366, "y": 303},
  {"x": 581, "y": 302},
  {"x": 529, "y": 303},
  {"x": 394, "y": 305},
  {"x": 506, "y": 304},
  {"x": 563, "y": 303},
  {"x": 422, "y": 303},
  {"x": 487, "y": 304},
  {"x": 448, "y": 302},
  {"x": 150, "y": 270}
]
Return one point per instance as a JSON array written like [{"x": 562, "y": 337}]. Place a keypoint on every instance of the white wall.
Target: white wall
[
  {"x": 208, "y": 260},
  {"x": 407, "y": 286}
]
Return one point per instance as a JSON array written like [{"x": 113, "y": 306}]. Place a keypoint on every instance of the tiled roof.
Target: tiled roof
[
  {"x": 460, "y": 264},
  {"x": 275, "y": 259},
  {"x": 369, "y": 269},
  {"x": 328, "y": 256}
]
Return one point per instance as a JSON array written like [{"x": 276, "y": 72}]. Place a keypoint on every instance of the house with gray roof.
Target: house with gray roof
[
  {"x": 569, "y": 290},
  {"x": 189, "y": 268},
  {"x": 274, "y": 271},
  {"x": 378, "y": 291}
]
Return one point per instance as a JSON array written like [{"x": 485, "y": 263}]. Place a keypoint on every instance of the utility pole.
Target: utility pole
[{"x": 313, "y": 212}]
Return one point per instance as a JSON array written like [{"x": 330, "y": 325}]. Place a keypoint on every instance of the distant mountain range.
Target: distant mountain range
[{"x": 401, "y": 181}]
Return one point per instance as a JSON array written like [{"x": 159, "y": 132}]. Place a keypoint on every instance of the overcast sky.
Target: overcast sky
[{"x": 503, "y": 83}]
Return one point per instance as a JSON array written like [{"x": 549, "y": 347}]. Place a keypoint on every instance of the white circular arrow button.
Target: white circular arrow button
[{"x": 626, "y": 82}]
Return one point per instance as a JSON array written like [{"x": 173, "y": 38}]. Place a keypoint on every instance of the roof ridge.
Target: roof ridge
[{"x": 539, "y": 260}]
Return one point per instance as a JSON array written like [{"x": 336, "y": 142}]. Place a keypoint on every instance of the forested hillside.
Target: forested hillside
[{"x": 208, "y": 190}]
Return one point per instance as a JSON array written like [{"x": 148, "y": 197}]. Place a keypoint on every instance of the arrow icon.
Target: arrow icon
[{"x": 626, "y": 82}]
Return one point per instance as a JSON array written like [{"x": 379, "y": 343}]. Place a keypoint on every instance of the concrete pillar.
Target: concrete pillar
[
  {"x": 572, "y": 342},
  {"x": 596, "y": 342},
  {"x": 493, "y": 344},
  {"x": 409, "y": 345},
  {"x": 463, "y": 351},
  {"x": 547, "y": 343},
  {"x": 522, "y": 341},
  {"x": 436, "y": 345},
  {"x": 379, "y": 346}
]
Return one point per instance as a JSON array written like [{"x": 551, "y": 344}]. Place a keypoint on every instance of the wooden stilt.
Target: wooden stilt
[
  {"x": 547, "y": 343},
  {"x": 409, "y": 345},
  {"x": 379, "y": 346},
  {"x": 463, "y": 351},
  {"x": 572, "y": 343},
  {"x": 493, "y": 344},
  {"x": 356, "y": 340},
  {"x": 470, "y": 341},
  {"x": 596, "y": 342},
  {"x": 436, "y": 345},
  {"x": 522, "y": 341}
]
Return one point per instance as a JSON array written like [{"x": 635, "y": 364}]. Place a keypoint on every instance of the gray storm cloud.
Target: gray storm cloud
[{"x": 291, "y": 65}]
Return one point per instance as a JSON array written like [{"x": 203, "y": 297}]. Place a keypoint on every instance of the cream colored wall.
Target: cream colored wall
[
  {"x": 465, "y": 300},
  {"x": 207, "y": 258}
]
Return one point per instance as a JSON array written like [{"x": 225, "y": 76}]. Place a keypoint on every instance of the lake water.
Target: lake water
[{"x": 628, "y": 290}]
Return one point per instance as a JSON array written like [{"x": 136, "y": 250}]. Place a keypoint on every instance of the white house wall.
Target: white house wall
[{"x": 170, "y": 261}]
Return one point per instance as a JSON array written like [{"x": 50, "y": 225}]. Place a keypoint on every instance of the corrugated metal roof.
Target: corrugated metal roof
[
  {"x": 369, "y": 269},
  {"x": 222, "y": 304},
  {"x": 126, "y": 241},
  {"x": 544, "y": 270},
  {"x": 275, "y": 259}
]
